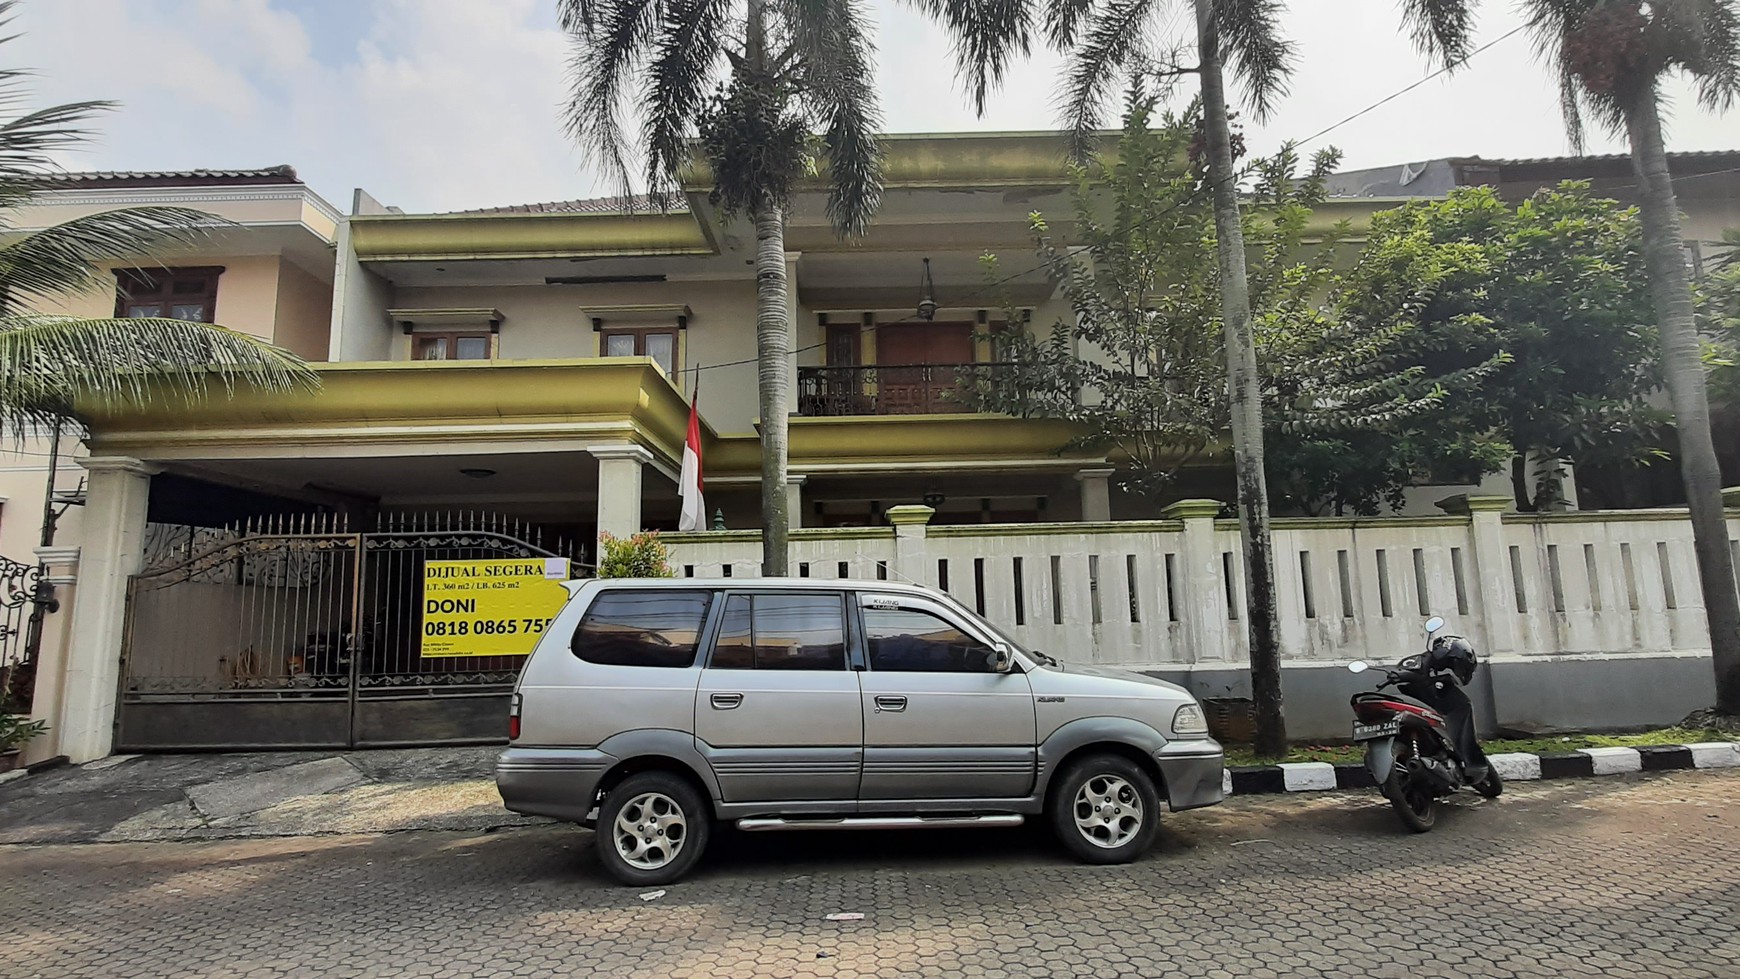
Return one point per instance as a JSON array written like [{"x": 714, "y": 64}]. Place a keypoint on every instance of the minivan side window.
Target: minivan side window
[
  {"x": 781, "y": 632},
  {"x": 910, "y": 641},
  {"x": 642, "y": 628}
]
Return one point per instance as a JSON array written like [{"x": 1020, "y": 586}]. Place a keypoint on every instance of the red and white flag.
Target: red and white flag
[{"x": 694, "y": 514}]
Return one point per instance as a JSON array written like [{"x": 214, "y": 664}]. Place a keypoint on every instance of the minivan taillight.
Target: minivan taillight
[{"x": 514, "y": 718}]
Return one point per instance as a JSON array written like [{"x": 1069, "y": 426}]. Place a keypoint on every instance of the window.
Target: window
[
  {"x": 782, "y": 632},
  {"x": 177, "y": 294},
  {"x": 659, "y": 344},
  {"x": 450, "y": 346},
  {"x": 642, "y": 628},
  {"x": 910, "y": 641}
]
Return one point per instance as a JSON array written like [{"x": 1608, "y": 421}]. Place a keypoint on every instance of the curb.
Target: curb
[{"x": 1320, "y": 776}]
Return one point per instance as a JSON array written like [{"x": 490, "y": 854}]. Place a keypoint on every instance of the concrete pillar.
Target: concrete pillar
[
  {"x": 794, "y": 499},
  {"x": 1494, "y": 585},
  {"x": 1198, "y": 589},
  {"x": 114, "y": 548},
  {"x": 60, "y": 569},
  {"x": 911, "y": 528},
  {"x": 619, "y": 486},
  {"x": 1096, "y": 494}
]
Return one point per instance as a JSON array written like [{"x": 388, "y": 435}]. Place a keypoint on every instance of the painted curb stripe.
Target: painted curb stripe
[
  {"x": 1258, "y": 779},
  {"x": 1513, "y": 767},
  {"x": 1572, "y": 764},
  {"x": 1665, "y": 757},
  {"x": 1354, "y": 777}
]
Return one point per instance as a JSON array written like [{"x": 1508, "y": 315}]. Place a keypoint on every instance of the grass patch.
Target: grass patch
[{"x": 1239, "y": 754}]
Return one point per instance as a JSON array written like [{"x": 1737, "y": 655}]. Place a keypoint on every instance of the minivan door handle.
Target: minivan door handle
[
  {"x": 890, "y": 703},
  {"x": 725, "y": 701}
]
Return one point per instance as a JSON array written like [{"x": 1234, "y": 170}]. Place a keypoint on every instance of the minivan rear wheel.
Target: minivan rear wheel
[
  {"x": 1105, "y": 809},
  {"x": 651, "y": 829}
]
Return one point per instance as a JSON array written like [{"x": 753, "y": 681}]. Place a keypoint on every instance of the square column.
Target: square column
[
  {"x": 619, "y": 485},
  {"x": 114, "y": 549},
  {"x": 1096, "y": 494},
  {"x": 794, "y": 499}
]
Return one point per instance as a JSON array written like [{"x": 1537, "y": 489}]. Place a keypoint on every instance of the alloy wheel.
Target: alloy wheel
[
  {"x": 1108, "y": 811},
  {"x": 650, "y": 830}
]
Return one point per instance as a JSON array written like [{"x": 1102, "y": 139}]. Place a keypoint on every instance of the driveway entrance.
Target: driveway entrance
[{"x": 294, "y": 632}]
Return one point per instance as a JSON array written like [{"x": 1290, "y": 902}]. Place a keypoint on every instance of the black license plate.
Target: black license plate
[{"x": 1372, "y": 732}]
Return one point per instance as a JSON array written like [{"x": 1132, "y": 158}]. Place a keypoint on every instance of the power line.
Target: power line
[{"x": 968, "y": 300}]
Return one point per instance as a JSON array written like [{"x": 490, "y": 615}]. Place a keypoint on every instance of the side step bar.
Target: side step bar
[{"x": 879, "y": 822}]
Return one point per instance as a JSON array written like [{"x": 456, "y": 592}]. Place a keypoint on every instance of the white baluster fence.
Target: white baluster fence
[{"x": 1590, "y": 619}]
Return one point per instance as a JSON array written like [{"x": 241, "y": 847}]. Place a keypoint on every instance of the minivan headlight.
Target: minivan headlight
[{"x": 1189, "y": 721}]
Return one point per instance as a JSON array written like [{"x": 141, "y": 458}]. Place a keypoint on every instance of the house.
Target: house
[{"x": 510, "y": 382}]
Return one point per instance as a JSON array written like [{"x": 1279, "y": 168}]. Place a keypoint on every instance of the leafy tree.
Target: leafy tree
[
  {"x": 753, "y": 81},
  {"x": 1139, "y": 364},
  {"x": 1611, "y": 57},
  {"x": 1108, "y": 41},
  {"x": 1558, "y": 282},
  {"x": 52, "y": 366}
]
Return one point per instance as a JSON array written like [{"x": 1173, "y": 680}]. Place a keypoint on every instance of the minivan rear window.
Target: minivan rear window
[{"x": 658, "y": 628}]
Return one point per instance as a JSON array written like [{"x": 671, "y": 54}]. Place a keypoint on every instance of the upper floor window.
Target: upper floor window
[
  {"x": 659, "y": 343},
  {"x": 450, "y": 346},
  {"x": 177, "y": 294}
]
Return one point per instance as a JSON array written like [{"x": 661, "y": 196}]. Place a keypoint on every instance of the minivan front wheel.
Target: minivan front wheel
[
  {"x": 1105, "y": 809},
  {"x": 652, "y": 828}
]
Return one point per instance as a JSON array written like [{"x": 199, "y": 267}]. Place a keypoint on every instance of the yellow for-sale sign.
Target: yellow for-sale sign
[{"x": 490, "y": 608}]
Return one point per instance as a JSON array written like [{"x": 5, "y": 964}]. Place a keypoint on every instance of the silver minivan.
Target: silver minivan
[{"x": 650, "y": 708}]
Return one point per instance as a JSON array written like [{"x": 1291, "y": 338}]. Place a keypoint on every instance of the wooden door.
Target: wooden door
[{"x": 915, "y": 366}]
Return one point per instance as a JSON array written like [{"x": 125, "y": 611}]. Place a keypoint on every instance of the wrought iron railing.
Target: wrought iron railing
[
  {"x": 19, "y": 585},
  {"x": 888, "y": 389}
]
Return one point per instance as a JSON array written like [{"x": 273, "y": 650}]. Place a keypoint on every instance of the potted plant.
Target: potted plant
[{"x": 16, "y": 730}]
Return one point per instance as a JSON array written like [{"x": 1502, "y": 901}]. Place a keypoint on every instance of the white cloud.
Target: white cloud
[{"x": 446, "y": 104}]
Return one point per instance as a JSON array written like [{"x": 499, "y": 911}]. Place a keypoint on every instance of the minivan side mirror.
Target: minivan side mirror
[{"x": 1002, "y": 659}]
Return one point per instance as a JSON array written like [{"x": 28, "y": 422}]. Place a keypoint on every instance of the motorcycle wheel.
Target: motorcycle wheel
[
  {"x": 1491, "y": 786},
  {"x": 1415, "y": 803}
]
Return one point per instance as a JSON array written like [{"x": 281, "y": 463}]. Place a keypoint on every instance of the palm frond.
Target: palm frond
[
  {"x": 1114, "y": 39},
  {"x": 53, "y": 367},
  {"x": 687, "y": 54},
  {"x": 836, "y": 56},
  {"x": 1260, "y": 56},
  {"x": 1549, "y": 21},
  {"x": 73, "y": 256},
  {"x": 1443, "y": 29},
  {"x": 1707, "y": 33},
  {"x": 988, "y": 35},
  {"x": 613, "y": 39}
]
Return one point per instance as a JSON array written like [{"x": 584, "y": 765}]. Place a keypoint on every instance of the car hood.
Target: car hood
[{"x": 1105, "y": 678}]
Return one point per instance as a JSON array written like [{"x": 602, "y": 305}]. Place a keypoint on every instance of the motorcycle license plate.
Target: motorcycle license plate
[{"x": 1372, "y": 732}]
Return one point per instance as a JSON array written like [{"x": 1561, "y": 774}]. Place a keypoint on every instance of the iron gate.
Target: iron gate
[{"x": 293, "y": 632}]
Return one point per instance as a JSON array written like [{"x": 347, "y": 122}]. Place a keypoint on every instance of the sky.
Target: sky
[{"x": 449, "y": 104}]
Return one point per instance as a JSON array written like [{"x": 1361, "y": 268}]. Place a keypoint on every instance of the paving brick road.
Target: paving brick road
[{"x": 1622, "y": 876}]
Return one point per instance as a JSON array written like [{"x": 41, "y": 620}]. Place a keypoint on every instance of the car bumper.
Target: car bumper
[
  {"x": 1193, "y": 773},
  {"x": 555, "y": 782}
]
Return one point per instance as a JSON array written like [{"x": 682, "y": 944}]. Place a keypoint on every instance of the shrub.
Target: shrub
[{"x": 636, "y": 556}]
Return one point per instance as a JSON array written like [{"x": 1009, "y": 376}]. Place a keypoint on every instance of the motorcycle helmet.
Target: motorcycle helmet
[{"x": 1455, "y": 654}]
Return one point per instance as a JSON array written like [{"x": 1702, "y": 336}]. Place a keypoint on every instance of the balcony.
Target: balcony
[{"x": 887, "y": 389}]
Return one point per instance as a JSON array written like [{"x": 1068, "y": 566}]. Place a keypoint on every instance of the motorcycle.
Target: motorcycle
[{"x": 1420, "y": 743}]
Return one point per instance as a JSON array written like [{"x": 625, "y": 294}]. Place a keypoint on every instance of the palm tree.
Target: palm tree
[
  {"x": 54, "y": 366},
  {"x": 1109, "y": 41},
  {"x": 1610, "y": 57},
  {"x": 753, "y": 83}
]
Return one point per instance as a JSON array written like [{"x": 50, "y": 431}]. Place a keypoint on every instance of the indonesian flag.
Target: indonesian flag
[{"x": 694, "y": 515}]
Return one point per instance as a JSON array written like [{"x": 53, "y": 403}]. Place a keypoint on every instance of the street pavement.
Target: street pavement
[{"x": 1618, "y": 876}]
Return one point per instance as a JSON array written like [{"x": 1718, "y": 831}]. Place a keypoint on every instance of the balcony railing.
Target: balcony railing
[{"x": 887, "y": 389}]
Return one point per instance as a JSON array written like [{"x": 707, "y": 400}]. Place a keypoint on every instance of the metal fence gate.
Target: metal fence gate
[{"x": 294, "y": 632}]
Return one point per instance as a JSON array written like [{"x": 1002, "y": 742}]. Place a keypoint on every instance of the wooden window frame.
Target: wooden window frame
[
  {"x": 640, "y": 333},
  {"x": 164, "y": 279},
  {"x": 419, "y": 337}
]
